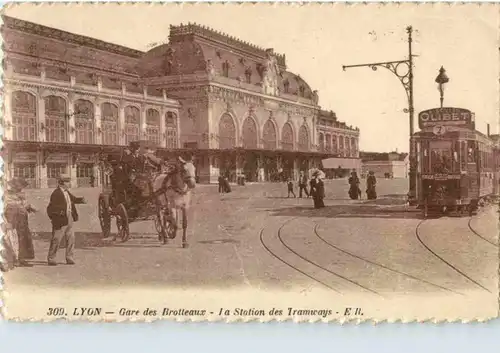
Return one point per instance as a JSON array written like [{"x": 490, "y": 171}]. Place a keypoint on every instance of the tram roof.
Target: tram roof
[{"x": 457, "y": 132}]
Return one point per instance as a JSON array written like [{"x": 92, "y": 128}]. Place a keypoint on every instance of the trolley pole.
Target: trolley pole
[{"x": 403, "y": 69}]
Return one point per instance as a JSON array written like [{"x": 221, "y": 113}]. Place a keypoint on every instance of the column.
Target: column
[
  {"x": 178, "y": 127},
  {"x": 42, "y": 171},
  {"x": 295, "y": 173},
  {"x": 41, "y": 118},
  {"x": 261, "y": 174},
  {"x": 73, "y": 162},
  {"x": 8, "y": 113},
  {"x": 97, "y": 121},
  {"x": 71, "y": 118},
  {"x": 142, "y": 124},
  {"x": 99, "y": 84},
  {"x": 163, "y": 130},
  {"x": 121, "y": 123}
]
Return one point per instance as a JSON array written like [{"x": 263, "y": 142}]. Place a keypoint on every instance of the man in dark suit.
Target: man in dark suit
[{"x": 62, "y": 213}]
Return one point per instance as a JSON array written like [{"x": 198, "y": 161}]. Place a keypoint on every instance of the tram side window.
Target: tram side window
[
  {"x": 425, "y": 155},
  {"x": 463, "y": 155},
  {"x": 471, "y": 152},
  {"x": 456, "y": 157}
]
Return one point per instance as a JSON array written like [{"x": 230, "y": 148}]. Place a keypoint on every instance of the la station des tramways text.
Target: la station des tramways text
[{"x": 233, "y": 106}]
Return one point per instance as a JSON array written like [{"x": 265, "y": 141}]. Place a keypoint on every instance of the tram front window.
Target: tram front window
[{"x": 442, "y": 157}]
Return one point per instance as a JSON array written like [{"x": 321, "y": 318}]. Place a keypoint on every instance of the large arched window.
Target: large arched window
[
  {"x": 328, "y": 143},
  {"x": 321, "y": 142},
  {"x": 287, "y": 137},
  {"x": 354, "y": 148},
  {"x": 269, "y": 136},
  {"x": 109, "y": 124},
  {"x": 341, "y": 146},
  {"x": 171, "y": 129},
  {"x": 227, "y": 132},
  {"x": 303, "y": 139},
  {"x": 334, "y": 144},
  {"x": 132, "y": 124},
  {"x": 153, "y": 125},
  {"x": 347, "y": 146},
  {"x": 84, "y": 121},
  {"x": 56, "y": 123},
  {"x": 249, "y": 133},
  {"x": 24, "y": 116}
]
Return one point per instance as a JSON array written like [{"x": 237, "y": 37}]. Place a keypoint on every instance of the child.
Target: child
[{"x": 290, "y": 188}]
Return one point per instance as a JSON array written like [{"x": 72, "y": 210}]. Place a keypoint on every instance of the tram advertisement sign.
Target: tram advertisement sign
[{"x": 446, "y": 116}]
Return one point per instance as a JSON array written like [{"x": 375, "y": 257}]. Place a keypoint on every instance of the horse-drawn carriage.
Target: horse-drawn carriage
[{"x": 132, "y": 192}]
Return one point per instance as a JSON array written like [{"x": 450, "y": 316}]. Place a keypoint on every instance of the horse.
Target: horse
[{"x": 173, "y": 188}]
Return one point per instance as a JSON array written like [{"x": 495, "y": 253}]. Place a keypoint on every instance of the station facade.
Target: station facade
[{"x": 232, "y": 105}]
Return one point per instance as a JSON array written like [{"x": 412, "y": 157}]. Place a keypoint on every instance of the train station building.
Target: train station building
[{"x": 233, "y": 106}]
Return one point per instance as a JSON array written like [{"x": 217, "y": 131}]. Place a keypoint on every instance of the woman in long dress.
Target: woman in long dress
[
  {"x": 15, "y": 199},
  {"x": 10, "y": 241}
]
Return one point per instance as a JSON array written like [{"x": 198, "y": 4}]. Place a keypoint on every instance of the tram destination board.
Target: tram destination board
[{"x": 446, "y": 116}]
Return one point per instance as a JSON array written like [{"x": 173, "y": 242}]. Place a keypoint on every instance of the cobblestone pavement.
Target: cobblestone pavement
[{"x": 256, "y": 236}]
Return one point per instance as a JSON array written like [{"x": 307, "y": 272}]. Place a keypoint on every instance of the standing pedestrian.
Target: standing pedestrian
[
  {"x": 371, "y": 182},
  {"x": 312, "y": 187},
  {"x": 320, "y": 190},
  {"x": 10, "y": 242},
  {"x": 317, "y": 189},
  {"x": 290, "y": 188},
  {"x": 221, "y": 184},
  {"x": 62, "y": 213},
  {"x": 16, "y": 199},
  {"x": 303, "y": 184}
]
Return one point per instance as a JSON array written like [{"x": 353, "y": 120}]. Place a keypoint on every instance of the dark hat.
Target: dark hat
[{"x": 18, "y": 183}]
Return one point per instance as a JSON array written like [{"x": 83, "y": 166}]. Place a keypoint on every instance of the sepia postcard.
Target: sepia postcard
[{"x": 250, "y": 162}]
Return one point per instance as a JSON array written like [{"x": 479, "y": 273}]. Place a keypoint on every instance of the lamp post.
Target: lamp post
[
  {"x": 442, "y": 79},
  {"x": 403, "y": 69}
]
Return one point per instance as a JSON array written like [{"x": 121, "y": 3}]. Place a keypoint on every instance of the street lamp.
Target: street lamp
[
  {"x": 403, "y": 69},
  {"x": 442, "y": 80}
]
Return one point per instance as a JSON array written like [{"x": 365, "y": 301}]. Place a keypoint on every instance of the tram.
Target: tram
[{"x": 457, "y": 166}]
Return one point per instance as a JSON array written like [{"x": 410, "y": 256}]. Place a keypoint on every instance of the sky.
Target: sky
[{"x": 318, "y": 39}]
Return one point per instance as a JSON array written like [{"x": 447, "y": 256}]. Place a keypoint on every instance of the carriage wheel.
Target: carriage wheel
[
  {"x": 104, "y": 216},
  {"x": 122, "y": 222}
]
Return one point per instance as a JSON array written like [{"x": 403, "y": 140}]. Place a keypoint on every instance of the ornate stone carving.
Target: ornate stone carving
[
  {"x": 210, "y": 68},
  {"x": 271, "y": 73}
]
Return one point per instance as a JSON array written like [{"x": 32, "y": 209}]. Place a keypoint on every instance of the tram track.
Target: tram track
[
  {"x": 310, "y": 261},
  {"x": 450, "y": 265},
  {"x": 335, "y": 247},
  {"x": 475, "y": 232}
]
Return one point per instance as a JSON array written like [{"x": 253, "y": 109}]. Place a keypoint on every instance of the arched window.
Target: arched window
[
  {"x": 56, "y": 123},
  {"x": 84, "y": 121},
  {"x": 153, "y": 125},
  {"x": 227, "y": 132},
  {"x": 132, "y": 124},
  {"x": 354, "y": 148},
  {"x": 287, "y": 137},
  {"x": 303, "y": 139},
  {"x": 269, "y": 136},
  {"x": 171, "y": 130},
  {"x": 341, "y": 146},
  {"x": 321, "y": 142},
  {"x": 328, "y": 143},
  {"x": 334, "y": 144},
  {"x": 347, "y": 144},
  {"x": 24, "y": 116},
  {"x": 109, "y": 124},
  {"x": 249, "y": 133}
]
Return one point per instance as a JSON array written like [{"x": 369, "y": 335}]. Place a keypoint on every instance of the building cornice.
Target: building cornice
[
  {"x": 49, "y": 32},
  {"x": 79, "y": 90}
]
